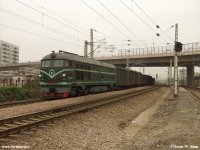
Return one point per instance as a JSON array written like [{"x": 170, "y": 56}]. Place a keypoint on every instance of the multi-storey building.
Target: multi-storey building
[{"x": 9, "y": 53}]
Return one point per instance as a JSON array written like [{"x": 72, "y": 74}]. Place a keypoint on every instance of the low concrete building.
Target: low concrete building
[{"x": 18, "y": 81}]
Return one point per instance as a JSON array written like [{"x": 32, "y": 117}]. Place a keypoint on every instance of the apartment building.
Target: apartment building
[{"x": 9, "y": 53}]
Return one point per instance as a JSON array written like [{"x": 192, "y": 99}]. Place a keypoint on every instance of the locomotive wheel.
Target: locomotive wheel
[
  {"x": 80, "y": 91},
  {"x": 86, "y": 91},
  {"x": 73, "y": 92},
  {"x": 76, "y": 91}
]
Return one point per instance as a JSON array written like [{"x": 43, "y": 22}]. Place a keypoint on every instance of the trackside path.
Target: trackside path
[{"x": 176, "y": 125}]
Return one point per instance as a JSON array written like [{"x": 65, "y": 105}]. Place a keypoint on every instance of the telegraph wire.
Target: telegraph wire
[
  {"x": 39, "y": 35},
  {"x": 121, "y": 22},
  {"x": 39, "y": 24},
  {"x": 44, "y": 14},
  {"x": 105, "y": 19}
]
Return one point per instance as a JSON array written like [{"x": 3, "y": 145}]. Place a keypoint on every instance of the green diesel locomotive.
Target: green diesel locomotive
[{"x": 64, "y": 74}]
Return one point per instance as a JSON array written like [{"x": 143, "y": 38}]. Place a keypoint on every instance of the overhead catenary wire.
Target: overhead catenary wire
[
  {"x": 98, "y": 46},
  {"x": 59, "y": 16},
  {"x": 40, "y": 24},
  {"x": 105, "y": 19},
  {"x": 144, "y": 13},
  {"x": 41, "y": 12},
  {"x": 39, "y": 35},
  {"x": 107, "y": 35},
  {"x": 135, "y": 41},
  {"x": 52, "y": 12},
  {"x": 151, "y": 19},
  {"x": 138, "y": 16},
  {"x": 121, "y": 22},
  {"x": 60, "y": 32},
  {"x": 141, "y": 19},
  {"x": 44, "y": 14}
]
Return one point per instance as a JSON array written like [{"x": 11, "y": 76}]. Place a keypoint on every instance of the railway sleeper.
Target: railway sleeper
[{"x": 9, "y": 125}]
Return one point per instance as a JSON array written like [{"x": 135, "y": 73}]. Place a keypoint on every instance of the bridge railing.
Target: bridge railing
[{"x": 167, "y": 50}]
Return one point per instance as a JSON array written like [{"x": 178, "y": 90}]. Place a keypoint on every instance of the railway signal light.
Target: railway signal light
[{"x": 178, "y": 46}]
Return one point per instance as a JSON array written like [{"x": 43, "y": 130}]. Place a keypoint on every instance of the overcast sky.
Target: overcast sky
[{"x": 37, "y": 28}]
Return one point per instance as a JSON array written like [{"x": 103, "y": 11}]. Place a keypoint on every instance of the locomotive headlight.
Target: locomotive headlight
[
  {"x": 63, "y": 75},
  {"x": 40, "y": 75}
]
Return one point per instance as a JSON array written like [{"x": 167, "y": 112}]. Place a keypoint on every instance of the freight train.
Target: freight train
[{"x": 65, "y": 74}]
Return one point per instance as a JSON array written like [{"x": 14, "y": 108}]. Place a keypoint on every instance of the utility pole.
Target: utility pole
[
  {"x": 86, "y": 49},
  {"x": 176, "y": 63},
  {"x": 91, "y": 44}
]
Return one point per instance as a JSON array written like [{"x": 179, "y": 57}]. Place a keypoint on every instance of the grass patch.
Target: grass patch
[{"x": 13, "y": 93}]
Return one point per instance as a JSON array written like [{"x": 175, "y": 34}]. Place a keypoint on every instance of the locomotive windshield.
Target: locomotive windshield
[
  {"x": 58, "y": 63},
  {"x": 55, "y": 63},
  {"x": 46, "y": 63}
]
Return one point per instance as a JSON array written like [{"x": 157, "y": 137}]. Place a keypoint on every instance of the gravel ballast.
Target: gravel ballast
[
  {"x": 40, "y": 106},
  {"x": 99, "y": 128}
]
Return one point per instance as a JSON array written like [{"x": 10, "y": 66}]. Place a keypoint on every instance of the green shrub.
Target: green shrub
[
  {"x": 11, "y": 93},
  {"x": 19, "y": 96},
  {"x": 2, "y": 98}
]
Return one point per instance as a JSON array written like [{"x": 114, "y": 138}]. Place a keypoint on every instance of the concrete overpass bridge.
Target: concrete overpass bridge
[
  {"x": 153, "y": 56},
  {"x": 156, "y": 57}
]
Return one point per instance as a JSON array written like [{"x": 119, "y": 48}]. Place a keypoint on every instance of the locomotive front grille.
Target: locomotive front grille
[{"x": 52, "y": 90}]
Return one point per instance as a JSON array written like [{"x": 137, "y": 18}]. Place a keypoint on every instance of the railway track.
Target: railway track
[
  {"x": 194, "y": 91},
  {"x": 17, "y": 124},
  {"x": 20, "y": 102}
]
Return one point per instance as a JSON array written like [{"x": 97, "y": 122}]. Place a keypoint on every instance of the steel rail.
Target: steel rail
[
  {"x": 19, "y": 102},
  {"x": 24, "y": 122},
  {"x": 193, "y": 91}
]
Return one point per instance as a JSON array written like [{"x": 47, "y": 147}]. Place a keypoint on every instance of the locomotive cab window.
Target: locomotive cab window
[
  {"x": 70, "y": 63},
  {"x": 46, "y": 63},
  {"x": 66, "y": 63},
  {"x": 58, "y": 63},
  {"x": 77, "y": 66}
]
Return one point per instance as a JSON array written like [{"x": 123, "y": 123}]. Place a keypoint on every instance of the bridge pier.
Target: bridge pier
[
  {"x": 170, "y": 80},
  {"x": 190, "y": 75},
  {"x": 127, "y": 63}
]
